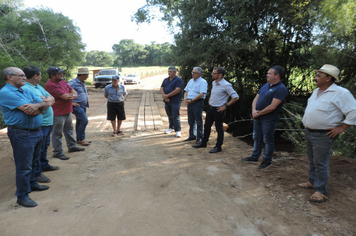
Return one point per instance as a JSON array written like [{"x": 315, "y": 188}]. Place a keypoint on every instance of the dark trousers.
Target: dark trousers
[{"x": 212, "y": 115}]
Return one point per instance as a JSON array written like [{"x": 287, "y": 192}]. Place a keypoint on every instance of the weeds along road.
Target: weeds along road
[{"x": 149, "y": 183}]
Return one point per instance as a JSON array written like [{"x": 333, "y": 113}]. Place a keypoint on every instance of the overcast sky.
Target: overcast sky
[{"x": 104, "y": 23}]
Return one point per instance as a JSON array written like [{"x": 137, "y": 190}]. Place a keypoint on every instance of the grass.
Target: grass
[{"x": 143, "y": 71}]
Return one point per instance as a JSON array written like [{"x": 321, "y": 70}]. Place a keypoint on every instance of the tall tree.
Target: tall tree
[{"x": 98, "y": 58}]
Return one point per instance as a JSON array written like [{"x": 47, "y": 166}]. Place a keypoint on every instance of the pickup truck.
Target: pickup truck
[{"x": 104, "y": 77}]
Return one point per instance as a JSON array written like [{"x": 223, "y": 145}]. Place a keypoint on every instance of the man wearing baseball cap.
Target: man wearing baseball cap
[
  {"x": 325, "y": 111},
  {"x": 62, "y": 108},
  {"x": 80, "y": 105}
]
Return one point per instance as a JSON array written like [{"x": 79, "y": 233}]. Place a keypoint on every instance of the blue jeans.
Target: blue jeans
[
  {"x": 26, "y": 146},
  {"x": 318, "y": 151},
  {"x": 172, "y": 110},
  {"x": 195, "y": 119},
  {"x": 81, "y": 123},
  {"x": 263, "y": 132},
  {"x": 212, "y": 115},
  {"x": 46, "y": 140},
  {"x": 62, "y": 125}
]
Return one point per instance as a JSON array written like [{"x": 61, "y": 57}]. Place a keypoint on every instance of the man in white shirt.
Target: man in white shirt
[
  {"x": 324, "y": 121},
  {"x": 194, "y": 96}
]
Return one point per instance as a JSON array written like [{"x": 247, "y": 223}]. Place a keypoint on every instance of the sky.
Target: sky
[{"x": 104, "y": 23}]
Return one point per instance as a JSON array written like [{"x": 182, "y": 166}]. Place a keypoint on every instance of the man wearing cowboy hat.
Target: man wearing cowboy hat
[
  {"x": 80, "y": 105},
  {"x": 326, "y": 109}
]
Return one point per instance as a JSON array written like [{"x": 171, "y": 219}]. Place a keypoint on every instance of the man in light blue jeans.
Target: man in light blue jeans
[{"x": 326, "y": 109}]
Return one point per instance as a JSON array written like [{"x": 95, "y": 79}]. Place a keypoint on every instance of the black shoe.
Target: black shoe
[
  {"x": 249, "y": 159},
  {"x": 200, "y": 145},
  {"x": 27, "y": 202},
  {"x": 40, "y": 188},
  {"x": 51, "y": 168},
  {"x": 189, "y": 139},
  {"x": 198, "y": 141},
  {"x": 265, "y": 165},
  {"x": 42, "y": 178},
  {"x": 61, "y": 156},
  {"x": 215, "y": 150},
  {"x": 76, "y": 149}
]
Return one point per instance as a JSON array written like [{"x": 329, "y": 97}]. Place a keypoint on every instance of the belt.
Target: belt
[
  {"x": 14, "y": 127},
  {"x": 213, "y": 107},
  {"x": 318, "y": 130}
]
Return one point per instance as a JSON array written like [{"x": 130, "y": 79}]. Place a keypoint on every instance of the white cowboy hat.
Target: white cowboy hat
[
  {"x": 330, "y": 70},
  {"x": 83, "y": 71}
]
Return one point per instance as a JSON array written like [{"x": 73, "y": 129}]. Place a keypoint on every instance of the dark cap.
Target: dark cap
[
  {"x": 116, "y": 77},
  {"x": 54, "y": 70}
]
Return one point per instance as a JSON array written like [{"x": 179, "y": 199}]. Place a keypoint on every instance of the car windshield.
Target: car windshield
[
  {"x": 107, "y": 72},
  {"x": 131, "y": 75}
]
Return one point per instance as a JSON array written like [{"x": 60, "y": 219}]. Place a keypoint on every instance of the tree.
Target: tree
[
  {"x": 98, "y": 58},
  {"x": 129, "y": 53}
]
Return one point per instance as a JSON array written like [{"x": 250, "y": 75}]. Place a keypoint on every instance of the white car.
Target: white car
[{"x": 132, "y": 79}]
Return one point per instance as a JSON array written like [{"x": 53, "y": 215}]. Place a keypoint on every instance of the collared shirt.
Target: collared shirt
[
  {"x": 329, "y": 108},
  {"x": 266, "y": 95},
  {"x": 196, "y": 87},
  {"x": 10, "y": 99},
  {"x": 170, "y": 85},
  {"x": 39, "y": 91},
  {"x": 61, "y": 106},
  {"x": 113, "y": 95},
  {"x": 221, "y": 92},
  {"x": 82, "y": 98}
]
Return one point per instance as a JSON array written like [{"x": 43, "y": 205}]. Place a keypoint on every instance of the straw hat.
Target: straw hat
[
  {"x": 330, "y": 70},
  {"x": 83, "y": 71}
]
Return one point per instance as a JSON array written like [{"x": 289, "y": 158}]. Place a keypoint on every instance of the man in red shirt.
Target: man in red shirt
[{"x": 62, "y": 108}]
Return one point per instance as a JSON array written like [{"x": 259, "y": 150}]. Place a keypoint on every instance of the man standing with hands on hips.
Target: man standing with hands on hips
[
  {"x": 218, "y": 104},
  {"x": 330, "y": 111},
  {"x": 194, "y": 96}
]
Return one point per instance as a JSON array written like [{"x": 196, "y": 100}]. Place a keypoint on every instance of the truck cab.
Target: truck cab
[{"x": 104, "y": 77}]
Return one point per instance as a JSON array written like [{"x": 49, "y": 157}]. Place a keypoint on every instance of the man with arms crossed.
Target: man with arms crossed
[
  {"x": 330, "y": 111},
  {"x": 194, "y": 96},
  {"x": 80, "y": 105},
  {"x": 171, "y": 91},
  {"x": 218, "y": 104},
  {"x": 22, "y": 112},
  {"x": 62, "y": 108},
  {"x": 265, "y": 111}
]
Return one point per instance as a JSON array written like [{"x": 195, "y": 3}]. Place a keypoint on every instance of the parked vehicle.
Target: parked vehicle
[
  {"x": 104, "y": 77},
  {"x": 132, "y": 79}
]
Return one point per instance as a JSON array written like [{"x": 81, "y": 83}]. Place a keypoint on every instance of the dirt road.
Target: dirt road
[{"x": 151, "y": 184}]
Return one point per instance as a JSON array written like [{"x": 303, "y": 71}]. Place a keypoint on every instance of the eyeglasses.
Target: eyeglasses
[
  {"x": 193, "y": 72},
  {"x": 22, "y": 76},
  {"x": 214, "y": 73}
]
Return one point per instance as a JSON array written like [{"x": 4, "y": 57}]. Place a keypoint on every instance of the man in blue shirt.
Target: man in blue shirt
[
  {"x": 194, "y": 96},
  {"x": 34, "y": 77},
  {"x": 80, "y": 105},
  {"x": 22, "y": 112},
  {"x": 171, "y": 91},
  {"x": 218, "y": 103},
  {"x": 265, "y": 111}
]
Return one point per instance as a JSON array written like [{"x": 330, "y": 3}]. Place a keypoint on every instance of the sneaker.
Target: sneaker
[
  {"x": 42, "y": 178},
  {"x": 178, "y": 134},
  {"x": 61, "y": 156},
  {"x": 249, "y": 159},
  {"x": 168, "y": 131},
  {"x": 265, "y": 165},
  {"x": 76, "y": 149}
]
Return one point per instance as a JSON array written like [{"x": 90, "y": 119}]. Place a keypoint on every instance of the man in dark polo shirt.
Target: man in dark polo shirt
[
  {"x": 265, "y": 111},
  {"x": 22, "y": 111},
  {"x": 171, "y": 90}
]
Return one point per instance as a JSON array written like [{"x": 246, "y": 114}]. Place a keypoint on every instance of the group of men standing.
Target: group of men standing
[
  {"x": 330, "y": 111},
  {"x": 32, "y": 113}
]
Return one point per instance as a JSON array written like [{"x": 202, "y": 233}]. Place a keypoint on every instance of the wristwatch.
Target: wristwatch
[
  {"x": 226, "y": 105},
  {"x": 191, "y": 100}
]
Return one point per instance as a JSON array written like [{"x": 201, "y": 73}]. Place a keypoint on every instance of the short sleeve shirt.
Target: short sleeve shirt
[
  {"x": 10, "y": 99},
  {"x": 113, "y": 95},
  {"x": 266, "y": 94},
  {"x": 170, "y": 85},
  {"x": 61, "y": 106},
  {"x": 82, "y": 98},
  {"x": 39, "y": 91},
  {"x": 196, "y": 87}
]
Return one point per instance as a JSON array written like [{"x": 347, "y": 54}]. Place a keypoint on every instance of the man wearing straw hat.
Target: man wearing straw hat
[
  {"x": 324, "y": 121},
  {"x": 80, "y": 105}
]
